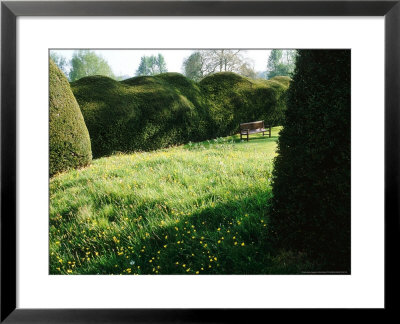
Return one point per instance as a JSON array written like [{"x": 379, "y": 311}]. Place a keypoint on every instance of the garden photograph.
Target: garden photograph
[{"x": 199, "y": 161}]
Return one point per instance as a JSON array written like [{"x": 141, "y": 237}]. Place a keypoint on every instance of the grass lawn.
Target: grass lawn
[{"x": 199, "y": 208}]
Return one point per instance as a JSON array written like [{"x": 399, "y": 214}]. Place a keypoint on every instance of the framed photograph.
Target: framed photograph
[{"x": 176, "y": 161}]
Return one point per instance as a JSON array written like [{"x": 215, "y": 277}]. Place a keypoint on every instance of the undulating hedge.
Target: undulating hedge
[
  {"x": 69, "y": 138},
  {"x": 151, "y": 112},
  {"x": 235, "y": 99},
  {"x": 311, "y": 179},
  {"x": 142, "y": 113}
]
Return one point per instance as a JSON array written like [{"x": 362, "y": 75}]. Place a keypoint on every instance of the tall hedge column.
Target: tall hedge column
[
  {"x": 69, "y": 138},
  {"x": 311, "y": 205}
]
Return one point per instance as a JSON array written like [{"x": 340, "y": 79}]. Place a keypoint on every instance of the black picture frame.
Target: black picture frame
[{"x": 10, "y": 10}]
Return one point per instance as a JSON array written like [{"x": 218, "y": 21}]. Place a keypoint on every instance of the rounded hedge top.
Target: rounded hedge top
[
  {"x": 236, "y": 99},
  {"x": 141, "y": 113},
  {"x": 151, "y": 112},
  {"x": 69, "y": 138}
]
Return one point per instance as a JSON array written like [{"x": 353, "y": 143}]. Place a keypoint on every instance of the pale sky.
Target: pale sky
[{"x": 126, "y": 62}]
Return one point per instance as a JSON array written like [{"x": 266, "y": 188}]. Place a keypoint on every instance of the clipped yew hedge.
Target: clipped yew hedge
[
  {"x": 152, "y": 112},
  {"x": 69, "y": 138},
  {"x": 235, "y": 99},
  {"x": 142, "y": 113},
  {"x": 311, "y": 178}
]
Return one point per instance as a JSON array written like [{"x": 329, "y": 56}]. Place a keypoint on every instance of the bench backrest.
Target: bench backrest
[{"x": 252, "y": 125}]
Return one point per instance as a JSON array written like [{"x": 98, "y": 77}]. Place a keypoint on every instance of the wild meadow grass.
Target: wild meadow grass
[{"x": 200, "y": 208}]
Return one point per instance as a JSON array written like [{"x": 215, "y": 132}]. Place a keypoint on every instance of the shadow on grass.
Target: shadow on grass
[{"x": 228, "y": 238}]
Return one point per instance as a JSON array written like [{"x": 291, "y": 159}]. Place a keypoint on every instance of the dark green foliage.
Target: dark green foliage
[
  {"x": 311, "y": 204},
  {"x": 69, "y": 137},
  {"x": 151, "y": 112},
  {"x": 141, "y": 113},
  {"x": 235, "y": 99}
]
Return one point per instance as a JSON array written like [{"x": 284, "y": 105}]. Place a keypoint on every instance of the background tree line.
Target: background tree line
[
  {"x": 86, "y": 63},
  {"x": 205, "y": 62},
  {"x": 198, "y": 65}
]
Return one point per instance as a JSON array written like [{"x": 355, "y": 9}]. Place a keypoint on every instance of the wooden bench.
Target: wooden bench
[{"x": 253, "y": 128}]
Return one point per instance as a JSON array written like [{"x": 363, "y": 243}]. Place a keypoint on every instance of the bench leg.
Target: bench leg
[
  {"x": 270, "y": 131},
  {"x": 263, "y": 134},
  {"x": 247, "y": 137}
]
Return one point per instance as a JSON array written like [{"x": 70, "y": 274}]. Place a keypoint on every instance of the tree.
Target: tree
[
  {"x": 60, "y": 61},
  {"x": 311, "y": 178},
  {"x": 281, "y": 63},
  {"x": 194, "y": 67},
  {"x": 224, "y": 60},
  {"x": 161, "y": 64},
  {"x": 152, "y": 65},
  {"x": 86, "y": 63},
  {"x": 248, "y": 71},
  {"x": 205, "y": 62}
]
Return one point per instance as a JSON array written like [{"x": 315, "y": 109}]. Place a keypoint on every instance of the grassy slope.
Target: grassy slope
[{"x": 198, "y": 208}]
